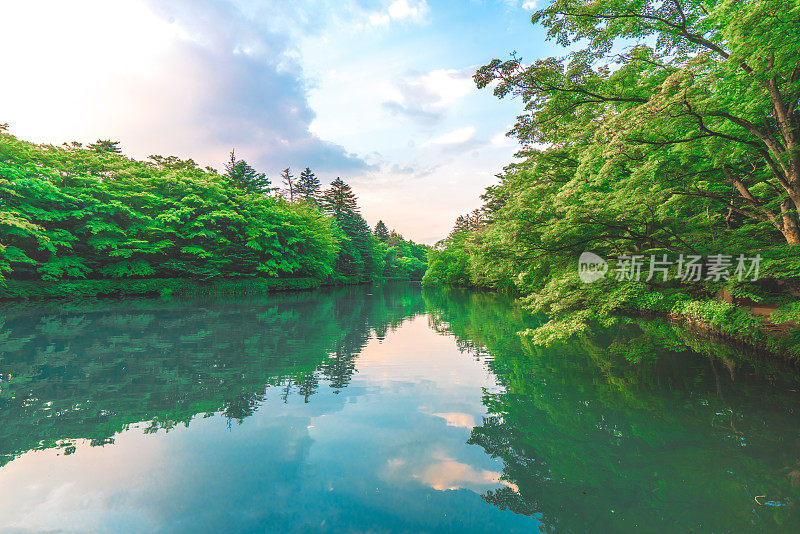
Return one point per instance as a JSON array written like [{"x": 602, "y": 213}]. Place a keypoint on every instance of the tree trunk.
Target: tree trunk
[
  {"x": 791, "y": 208},
  {"x": 792, "y": 234}
]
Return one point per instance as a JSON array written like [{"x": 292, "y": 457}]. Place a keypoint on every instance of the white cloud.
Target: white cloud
[
  {"x": 206, "y": 79},
  {"x": 456, "y": 137},
  {"x": 529, "y": 5},
  {"x": 502, "y": 140},
  {"x": 379, "y": 19},
  {"x": 426, "y": 96},
  {"x": 416, "y": 11},
  {"x": 403, "y": 9}
]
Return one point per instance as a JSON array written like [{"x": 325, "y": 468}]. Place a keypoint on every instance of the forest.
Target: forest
[
  {"x": 86, "y": 220},
  {"x": 667, "y": 128}
]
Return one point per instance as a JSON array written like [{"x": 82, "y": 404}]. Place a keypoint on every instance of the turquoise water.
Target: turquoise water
[{"x": 381, "y": 409}]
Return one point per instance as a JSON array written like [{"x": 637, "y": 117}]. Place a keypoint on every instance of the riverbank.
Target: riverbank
[
  {"x": 774, "y": 332},
  {"x": 771, "y": 330},
  {"x": 762, "y": 340},
  {"x": 15, "y": 289}
]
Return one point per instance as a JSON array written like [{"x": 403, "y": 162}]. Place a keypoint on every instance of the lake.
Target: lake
[{"x": 382, "y": 409}]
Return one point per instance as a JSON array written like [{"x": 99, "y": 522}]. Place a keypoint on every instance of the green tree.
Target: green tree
[
  {"x": 340, "y": 201},
  {"x": 359, "y": 255},
  {"x": 706, "y": 109},
  {"x": 670, "y": 127},
  {"x": 105, "y": 146},
  {"x": 69, "y": 213},
  {"x": 381, "y": 232},
  {"x": 246, "y": 177},
  {"x": 308, "y": 186}
]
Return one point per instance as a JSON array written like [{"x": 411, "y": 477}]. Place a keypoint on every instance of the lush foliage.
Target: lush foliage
[
  {"x": 71, "y": 213},
  {"x": 403, "y": 259},
  {"x": 674, "y": 129}
]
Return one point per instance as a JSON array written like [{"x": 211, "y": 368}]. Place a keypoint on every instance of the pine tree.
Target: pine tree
[
  {"x": 308, "y": 186},
  {"x": 357, "y": 256},
  {"x": 381, "y": 232},
  {"x": 288, "y": 180},
  {"x": 340, "y": 202},
  {"x": 245, "y": 177},
  {"x": 105, "y": 146}
]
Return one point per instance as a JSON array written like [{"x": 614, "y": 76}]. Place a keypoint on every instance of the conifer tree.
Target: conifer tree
[
  {"x": 308, "y": 186},
  {"x": 105, "y": 146},
  {"x": 381, "y": 232},
  {"x": 357, "y": 256},
  {"x": 245, "y": 177},
  {"x": 340, "y": 202}
]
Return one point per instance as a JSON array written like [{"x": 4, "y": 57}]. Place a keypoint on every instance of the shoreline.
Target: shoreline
[
  {"x": 18, "y": 290},
  {"x": 713, "y": 333},
  {"x": 157, "y": 287},
  {"x": 757, "y": 338},
  {"x": 758, "y": 341}
]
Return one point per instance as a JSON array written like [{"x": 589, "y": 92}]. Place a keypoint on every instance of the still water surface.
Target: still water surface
[{"x": 381, "y": 409}]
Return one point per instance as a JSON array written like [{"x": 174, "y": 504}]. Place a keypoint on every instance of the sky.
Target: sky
[{"x": 377, "y": 92}]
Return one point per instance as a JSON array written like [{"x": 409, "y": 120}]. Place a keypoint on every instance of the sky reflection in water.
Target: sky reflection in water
[{"x": 378, "y": 409}]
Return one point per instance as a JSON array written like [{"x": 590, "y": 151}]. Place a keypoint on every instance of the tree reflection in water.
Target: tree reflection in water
[
  {"x": 644, "y": 425},
  {"x": 88, "y": 369}
]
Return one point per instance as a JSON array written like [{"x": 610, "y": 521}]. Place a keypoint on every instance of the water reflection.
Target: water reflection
[
  {"x": 318, "y": 411},
  {"x": 645, "y": 427},
  {"x": 87, "y": 369},
  {"x": 381, "y": 409}
]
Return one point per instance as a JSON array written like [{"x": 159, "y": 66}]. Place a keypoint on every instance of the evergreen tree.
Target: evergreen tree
[
  {"x": 358, "y": 254},
  {"x": 106, "y": 146},
  {"x": 245, "y": 177},
  {"x": 381, "y": 232},
  {"x": 308, "y": 186},
  {"x": 288, "y": 180},
  {"x": 340, "y": 202}
]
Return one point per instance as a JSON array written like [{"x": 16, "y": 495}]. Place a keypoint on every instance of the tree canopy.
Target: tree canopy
[
  {"x": 308, "y": 186},
  {"x": 243, "y": 176},
  {"x": 69, "y": 213},
  {"x": 669, "y": 127}
]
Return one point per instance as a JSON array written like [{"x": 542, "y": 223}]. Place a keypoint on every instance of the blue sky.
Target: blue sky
[{"x": 378, "y": 92}]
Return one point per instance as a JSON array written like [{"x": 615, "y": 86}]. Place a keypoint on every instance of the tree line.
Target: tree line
[{"x": 76, "y": 212}]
